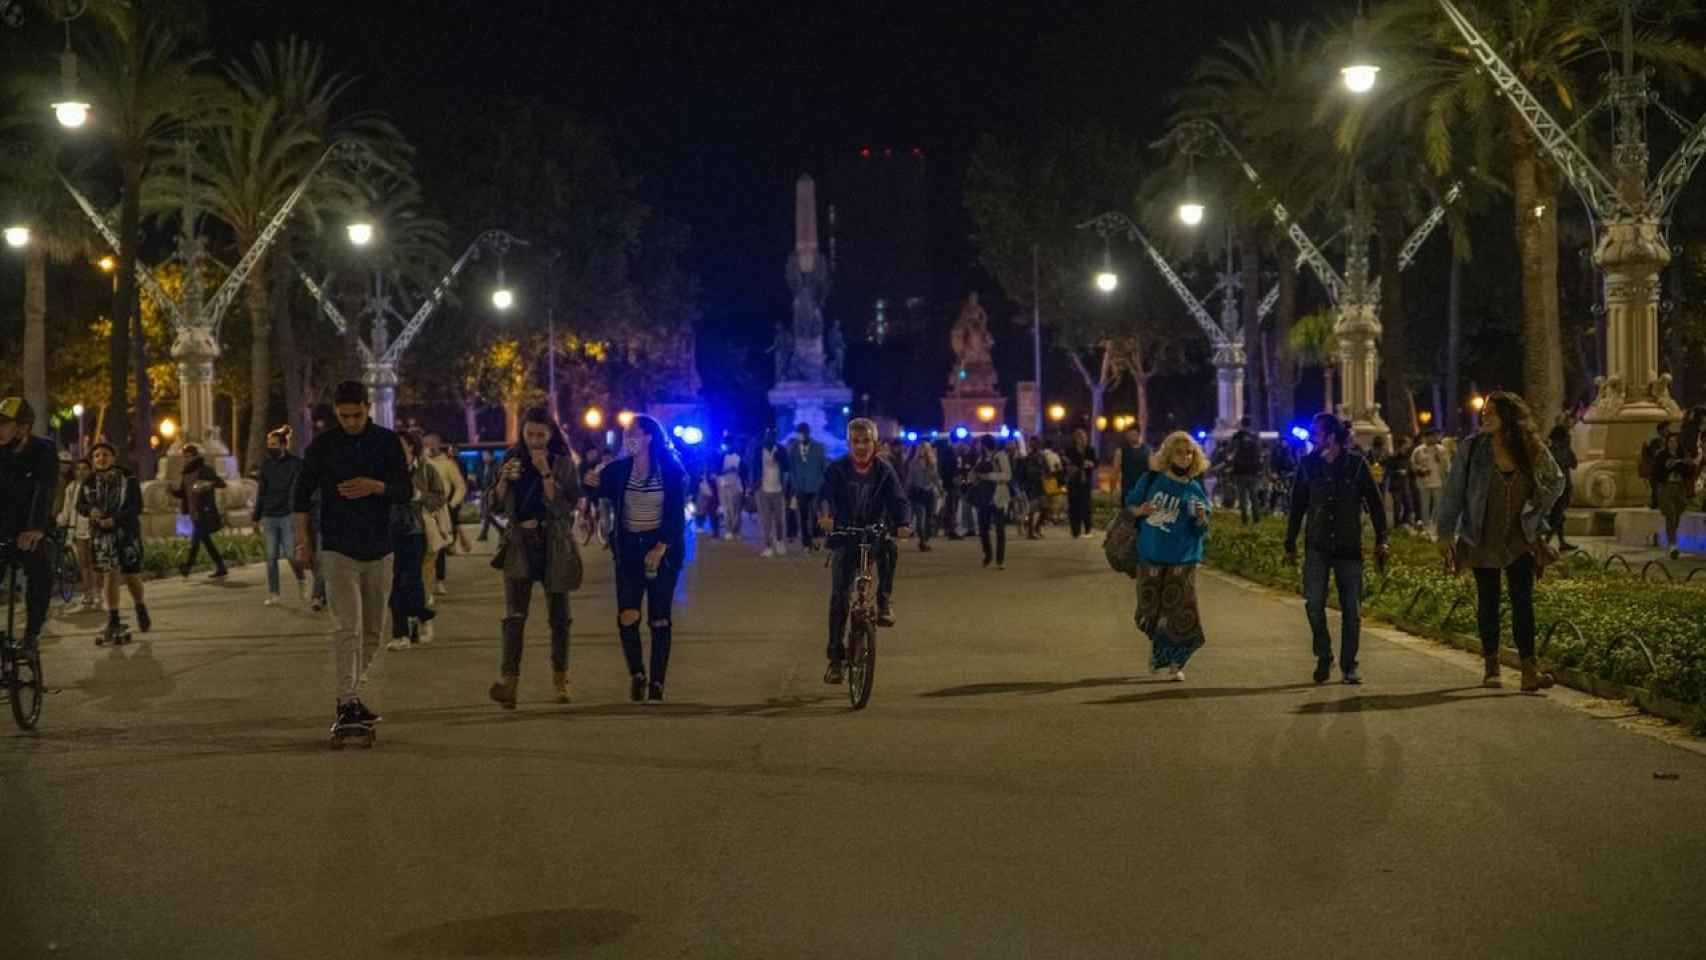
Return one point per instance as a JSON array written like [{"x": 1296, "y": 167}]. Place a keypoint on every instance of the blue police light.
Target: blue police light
[
  {"x": 960, "y": 433},
  {"x": 1004, "y": 433},
  {"x": 846, "y": 410},
  {"x": 678, "y": 431},
  {"x": 912, "y": 436},
  {"x": 1300, "y": 434},
  {"x": 1202, "y": 434},
  {"x": 692, "y": 436}
]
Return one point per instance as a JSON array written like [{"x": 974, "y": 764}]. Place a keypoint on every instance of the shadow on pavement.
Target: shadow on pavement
[
  {"x": 528, "y": 933},
  {"x": 1402, "y": 701},
  {"x": 1178, "y": 692},
  {"x": 1028, "y": 686}
]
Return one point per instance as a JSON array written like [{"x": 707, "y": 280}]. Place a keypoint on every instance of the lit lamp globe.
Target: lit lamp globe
[
  {"x": 502, "y": 298},
  {"x": 1057, "y": 412},
  {"x": 17, "y": 237},
  {"x": 107, "y": 264},
  {"x": 625, "y": 419},
  {"x": 986, "y": 413},
  {"x": 1477, "y": 403},
  {"x": 77, "y": 409},
  {"x": 1107, "y": 281},
  {"x": 71, "y": 114},
  {"x": 1360, "y": 77},
  {"x": 593, "y": 418},
  {"x": 168, "y": 428},
  {"x": 1191, "y": 209},
  {"x": 360, "y": 234}
]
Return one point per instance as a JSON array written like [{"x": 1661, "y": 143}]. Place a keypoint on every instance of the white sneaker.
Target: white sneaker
[
  {"x": 781, "y": 549},
  {"x": 728, "y": 536},
  {"x": 1179, "y": 675},
  {"x": 305, "y": 590},
  {"x": 425, "y": 632},
  {"x": 440, "y": 589},
  {"x": 768, "y": 552},
  {"x": 272, "y": 600},
  {"x": 401, "y": 643}
]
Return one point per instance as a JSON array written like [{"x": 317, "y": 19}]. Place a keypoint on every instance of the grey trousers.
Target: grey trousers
[
  {"x": 518, "y": 597},
  {"x": 772, "y": 512},
  {"x": 357, "y": 592}
]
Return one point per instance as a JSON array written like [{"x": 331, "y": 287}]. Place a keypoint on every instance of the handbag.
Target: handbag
[{"x": 1120, "y": 544}]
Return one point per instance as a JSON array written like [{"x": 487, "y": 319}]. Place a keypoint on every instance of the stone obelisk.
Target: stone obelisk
[{"x": 808, "y": 384}]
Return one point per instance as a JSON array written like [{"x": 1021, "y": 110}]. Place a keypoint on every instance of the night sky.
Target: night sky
[{"x": 720, "y": 105}]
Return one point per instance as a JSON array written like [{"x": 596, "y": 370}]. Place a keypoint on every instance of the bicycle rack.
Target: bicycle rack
[
  {"x": 1620, "y": 559},
  {"x": 1697, "y": 571},
  {"x": 1546, "y": 639},
  {"x": 1662, "y": 568},
  {"x": 1453, "y": 611},
  {"x": 1612, "y": 645},
  {"x": 1411, "y": 606},
  {"x": 1380, "y": 589}
]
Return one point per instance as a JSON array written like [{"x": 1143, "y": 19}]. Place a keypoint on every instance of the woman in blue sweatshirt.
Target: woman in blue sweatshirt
[{"x": 1172, "y": 510}]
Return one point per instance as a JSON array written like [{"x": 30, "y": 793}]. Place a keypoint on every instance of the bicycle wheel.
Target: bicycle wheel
[
  {"x": 584, "y": 527},
  {"x": 67, "y": 573},
  {"x": 861, "y": 661},
  {"x": 24, "y": 687}
]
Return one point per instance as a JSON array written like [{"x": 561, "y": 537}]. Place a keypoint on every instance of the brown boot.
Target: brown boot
[
  {"x": 1533, "y": 681},
  {"x": 1491, "y": 679},
  {"x": 504, "y": 691},
  {"x": 560, "y": 683}
]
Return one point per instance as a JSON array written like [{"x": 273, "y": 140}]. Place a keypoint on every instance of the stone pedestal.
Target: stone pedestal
[
  {"x": 1229, "y": 363},
  {"x": 381, "y": 382},
  {"x": 1633, "y": 396},
  {"x": 818, "y": 405},
  {"x": 1358, "y": 332},
  {"x": 960, "y": 410},
  {"x": 195, "y": 351}
]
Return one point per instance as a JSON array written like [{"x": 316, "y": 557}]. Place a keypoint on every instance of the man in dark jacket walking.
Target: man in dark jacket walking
[
  {"x": 276, "y": 484},
  {"x": 1333, "y": 488}
]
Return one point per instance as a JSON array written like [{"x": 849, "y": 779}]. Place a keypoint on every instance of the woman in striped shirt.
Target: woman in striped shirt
[{"x": 647, "y": 490}]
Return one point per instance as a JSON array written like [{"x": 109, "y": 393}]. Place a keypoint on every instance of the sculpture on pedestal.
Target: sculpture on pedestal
[
  {"x": 971, "y": 384},
  {"x": 808, "y": 375}
]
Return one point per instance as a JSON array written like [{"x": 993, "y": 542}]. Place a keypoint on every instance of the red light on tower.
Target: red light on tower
[
  {"x": 917, "y": 152},
  {"x": 865, "y": 152},
  {"x": 888, "y": 151}
]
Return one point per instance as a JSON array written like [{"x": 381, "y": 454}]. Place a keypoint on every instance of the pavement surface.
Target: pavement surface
[{"x": 1019, "y": 787}]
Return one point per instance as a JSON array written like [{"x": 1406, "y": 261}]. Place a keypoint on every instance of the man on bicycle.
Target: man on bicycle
[
  {"x": 29, "y": 470},
  {"x": 859, "y": 490}
]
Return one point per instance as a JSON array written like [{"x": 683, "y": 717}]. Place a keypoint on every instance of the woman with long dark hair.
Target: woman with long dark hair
[
  {"x": 1494, "y": 516},
  {"x": 538, "y": 489},
  {"x": 411, "y": 615},
  {"x": 1558, "y": 442},
  {"x": 647, "y": 488}
]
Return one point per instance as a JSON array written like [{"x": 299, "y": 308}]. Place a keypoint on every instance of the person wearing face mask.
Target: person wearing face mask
[
  {"x": 275, "y": 482},
  {"x": 196, "y": 491},
  {"x": 859, "y": 490},
  {"x": 112, "y": 500},
  {"x": 538, "y": 489},
  {"x": 1333, "y": 488},
  {"x": 1172, "y": 508},
  {"x": 647, "y": 489}
]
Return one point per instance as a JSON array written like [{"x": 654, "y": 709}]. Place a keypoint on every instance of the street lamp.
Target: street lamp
[
  {"x": 107, "y": 264},
  {"x": 986, "y": 413},
  {"x": 503, "y": 298},
  {"x": 168, "y": 428},
  {"x": 77, "y": 411},
  {"x": 72, "y": 111},
  {"x": 625, "y": 419},
  {"x": 1191, "y": 208},
  {"x": 593, "y": 418},
  {"x": 1359, "y": 75},
  {"x": 17, "y": 237},
  {"x": 360, "y": 233},
  {"x": 1056, "y": 412}
]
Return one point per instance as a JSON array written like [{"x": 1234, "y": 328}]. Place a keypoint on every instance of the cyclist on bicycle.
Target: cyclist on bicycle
[
  {"x": 29, "y": 471},
  {"x": 859, "y": 490}
]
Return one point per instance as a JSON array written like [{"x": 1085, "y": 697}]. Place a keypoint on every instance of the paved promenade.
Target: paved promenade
[{"x": 1019, "y": 787}]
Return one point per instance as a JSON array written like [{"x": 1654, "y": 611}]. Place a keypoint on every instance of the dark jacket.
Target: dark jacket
[
  {"x": 276, "y": 484},
  {"x": 562, "y": 557},
  {"x": 359, "y": 529},
  {"x": 207, "y": 502},
  {"x": 1333, "y": 496},
  {"x": 886, "y": 503},
  {"x": 29, "y": 474},
  {"x": 1080, "y": 466},
  {"x": 117, "y": 494},
  {"x": 1463, "y": 499},
  {"x": 613, "y": 487},
  {"x": 754, "y": 464}
]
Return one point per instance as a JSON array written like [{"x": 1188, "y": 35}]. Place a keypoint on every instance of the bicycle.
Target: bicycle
[
  {"x": 20, "y": 668},
  {"x": 862, "y": 610},
  {"x": 67, "y": 569},
  {"x": 592, "y": 520}
]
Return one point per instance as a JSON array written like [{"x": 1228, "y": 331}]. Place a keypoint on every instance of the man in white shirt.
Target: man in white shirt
[
  {"x": 771, "y": 467},
  {"x": 730, "y": 493},
  {"x": 1430, "y": 463}
]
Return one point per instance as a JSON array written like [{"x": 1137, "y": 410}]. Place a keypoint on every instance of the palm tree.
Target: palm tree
[
  {"x": 1556, "y": 48},
  {"x": 145, "y": 89},
  {"x": 1313, "y": 341},
  {"x": 273, "y": 125}
]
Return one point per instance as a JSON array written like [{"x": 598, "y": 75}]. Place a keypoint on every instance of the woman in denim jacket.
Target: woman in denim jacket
[{"x": 1493, "y": 518}]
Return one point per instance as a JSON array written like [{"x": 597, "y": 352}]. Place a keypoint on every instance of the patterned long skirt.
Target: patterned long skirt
[{"x": 1167, "y": 612}]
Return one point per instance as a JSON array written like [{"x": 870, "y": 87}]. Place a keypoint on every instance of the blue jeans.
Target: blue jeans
[
  {"x": 280, "y": 536},
  {"x": 1247, "y": 488},
  {"x": 1347, "y": 573}
]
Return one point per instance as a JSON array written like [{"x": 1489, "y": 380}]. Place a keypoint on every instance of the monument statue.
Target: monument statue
[
  {"x": 808, "y": 377},
  {"x": 974, "y": 371}
]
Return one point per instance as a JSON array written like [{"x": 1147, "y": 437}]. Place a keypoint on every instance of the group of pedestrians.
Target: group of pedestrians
[
  {"x": 1671, "y": 463},
  {"x": 777, "y": 481},
  {"x": 1491, "y": 516}
]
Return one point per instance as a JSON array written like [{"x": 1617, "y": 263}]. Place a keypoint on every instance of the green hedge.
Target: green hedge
[
  {"x": 160, "y": 558},
  {"x": 1616, "y": 612}
]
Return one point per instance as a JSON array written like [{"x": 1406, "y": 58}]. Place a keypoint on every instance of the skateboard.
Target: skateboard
[{"x": 343, "y": 733}]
